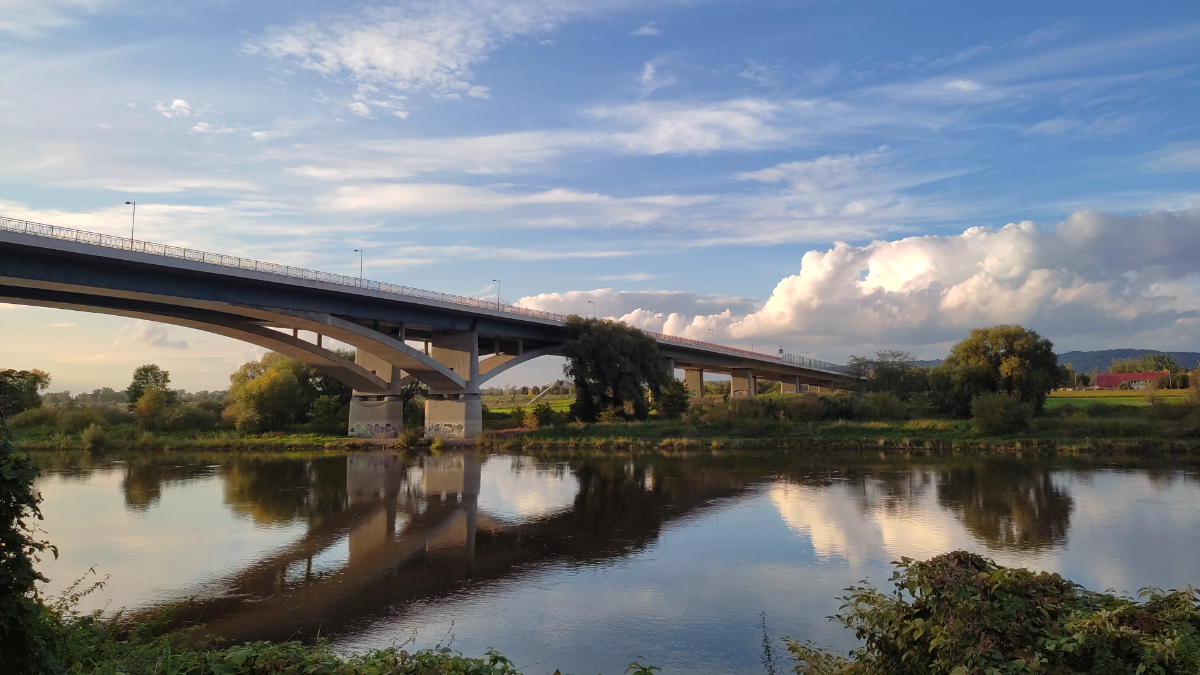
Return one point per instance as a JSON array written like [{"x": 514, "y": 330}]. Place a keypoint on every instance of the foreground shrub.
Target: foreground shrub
[
  {"x": 880, "y": 407},
  {"x": 999, "y": 414},
  {"x": 962, "y": 614},
  {"x": 33, "y": 417},
  {"x": 92, "y": 438}
]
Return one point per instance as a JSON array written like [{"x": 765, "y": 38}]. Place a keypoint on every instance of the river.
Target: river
[{"x": 585, "y": 564}]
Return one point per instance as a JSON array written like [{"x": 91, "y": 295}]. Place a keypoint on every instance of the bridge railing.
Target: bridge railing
[{"x": 181, "y": 253}]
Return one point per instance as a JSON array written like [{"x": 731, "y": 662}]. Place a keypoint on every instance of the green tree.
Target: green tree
[
  {"x": 1007, "y": 359},
  {"x": 20, "y": 390},
  {"x": 278, "y": 391},
  {"x": 673, "y": 400},
  {"x": 146, "y": 377},
  {"x": 1151, "y": 363},
  {"x": 891, "y": 371},
  {"x": 152, "y": 408},
  {"x": 612, "y": 365}
]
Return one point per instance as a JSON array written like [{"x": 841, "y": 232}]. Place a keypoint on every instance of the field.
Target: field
[{"x": 1112, "y": 397}]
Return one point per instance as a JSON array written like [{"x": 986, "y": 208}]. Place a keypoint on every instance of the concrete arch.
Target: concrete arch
[
  {"x": 493, "y": 366},
  {"x": 327, "y": 361}
]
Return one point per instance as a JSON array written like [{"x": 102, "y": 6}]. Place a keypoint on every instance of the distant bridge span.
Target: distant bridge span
[{"x": 464, "y": 341}]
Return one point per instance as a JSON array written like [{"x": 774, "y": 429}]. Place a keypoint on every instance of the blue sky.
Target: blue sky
[{"x": 833, "y": 177}]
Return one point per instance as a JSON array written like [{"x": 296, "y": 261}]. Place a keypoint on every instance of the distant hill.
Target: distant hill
[{"x": 1084, "y": 362}]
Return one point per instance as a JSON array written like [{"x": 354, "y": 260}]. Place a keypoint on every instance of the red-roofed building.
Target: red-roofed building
[{"x": 1134, "y": 380}]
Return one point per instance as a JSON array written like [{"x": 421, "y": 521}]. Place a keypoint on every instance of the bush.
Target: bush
[
  {"x": 1160, "y": 409},
  {"x": 33, "y": 417},
  {"x": 92, "y": 438},
  {"x": 330, "y": 416},
  {"x": 880, "y": 406},
  {"x": 998, "y": 414},
  {"x": 541, "y": 415},
  {"x": 75, "y": 420},
  {"x": 23, "y": 647},
  {"x": 190, "y": 418},
  {"x": 960, "y": 613},
  {"x": 673, "y": 400}
]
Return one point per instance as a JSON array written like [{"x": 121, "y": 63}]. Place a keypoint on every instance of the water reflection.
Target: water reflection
[{"x": 368, "y": 547}]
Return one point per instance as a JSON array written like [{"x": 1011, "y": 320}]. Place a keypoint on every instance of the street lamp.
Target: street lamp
[
  {"x": 751, "y": 343},
  {"x": 593, "y": 304},
  {"x": 132, "y": 222},
  {"x": 359, "y": 251},
  {"x": 497, "y": 293}
]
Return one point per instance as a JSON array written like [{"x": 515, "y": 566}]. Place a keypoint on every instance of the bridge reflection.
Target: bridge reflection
[{"x": 416, "y": 533}]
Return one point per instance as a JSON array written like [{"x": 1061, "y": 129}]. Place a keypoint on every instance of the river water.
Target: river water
[{"x": 585, "y": 564}]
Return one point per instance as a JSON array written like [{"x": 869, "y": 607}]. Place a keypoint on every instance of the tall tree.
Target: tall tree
[
  {"x": 146, "y": 377},
  {"x": 1008, "y": 359},
  {"x": 612, "y": 366}
]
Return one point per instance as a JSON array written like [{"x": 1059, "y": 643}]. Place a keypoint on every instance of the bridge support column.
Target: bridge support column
[
  {"x": 455, "y": 415},
  {"x": 742, "y": 383},
  {"x": 694, "y": 381},
  {"x": 376, "y": 416},
  {"x": 789, "y": 384}
]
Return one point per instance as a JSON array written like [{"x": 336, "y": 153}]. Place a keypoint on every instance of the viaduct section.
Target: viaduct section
[{"x": 452, "y": 344}]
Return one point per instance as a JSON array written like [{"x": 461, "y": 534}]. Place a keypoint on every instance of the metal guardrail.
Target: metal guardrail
[{"x": 125, "y": 243}]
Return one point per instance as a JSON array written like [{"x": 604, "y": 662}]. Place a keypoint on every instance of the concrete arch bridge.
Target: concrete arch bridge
[{"x": 451, "y": 343}]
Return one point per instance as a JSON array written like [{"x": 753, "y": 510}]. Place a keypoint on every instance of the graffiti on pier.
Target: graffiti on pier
[
  {"x": 369, "y": 430},
  {"x": 453, "y": 429}
]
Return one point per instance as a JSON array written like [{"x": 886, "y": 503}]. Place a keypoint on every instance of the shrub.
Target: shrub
[
  {"x": 804, "y": 408},
  {"x": 75, "y": 420},
  {"x": 1161, "y": 409},
  {"x": 838, "y": 407},
  {"x": 190, "y": 418},
  {"x": 673, "y": 400},
  {"x": 960, "y": 613},
  {"x": 1194, "y": 386},
  {"x": 880, "y": 406},
  {"x": 999, "y": 413},
  {"x": 329, "y": 415},
  {"x": 541, "y": 415},
  {"x": 33, "y": 417},
  {"x": 23, "y": 647},
  {"x": 610, "y": 415},
  {"x": 92, "y": 438}
]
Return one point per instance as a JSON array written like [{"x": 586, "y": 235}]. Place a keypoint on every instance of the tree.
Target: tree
[
  {"x": 673, "y": 400},
  {"x": 278, "y": 391},
  {"x": 891, "y": 371},
  {"x": 1150, "y": 363},
  {"x": 147, "y": 377},
  {"x": 19, "y": 390},
  {"x": 1007, "y": 359},
  {"x": 612, "y": 365}
]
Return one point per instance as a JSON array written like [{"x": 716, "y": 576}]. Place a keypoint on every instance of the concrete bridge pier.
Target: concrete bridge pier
[
  {"x": 742, "y": 383},
  {"x": 694, "y": 381},
  {"x": 378, "y": 414},
  {"x": 455, "y": 414},
  {"x": 789, "y": 384}
]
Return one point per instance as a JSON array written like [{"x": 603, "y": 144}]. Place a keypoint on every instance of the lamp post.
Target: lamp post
[
  {"x": 751, "y": 343},
  {"x": 132, "y": 223},
  {"x": 497, "y": 293},
  {"x": 359, "y": 251},
  {"x": 593, "y": 304}
]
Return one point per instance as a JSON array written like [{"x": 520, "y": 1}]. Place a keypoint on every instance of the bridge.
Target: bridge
[{"x": 452, "y": 344}]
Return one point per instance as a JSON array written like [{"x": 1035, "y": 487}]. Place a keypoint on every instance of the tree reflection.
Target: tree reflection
[
  {"x": 1008, "y": 504},
  {"x": 145, "y": 479},
  {"x": 273, "y": 492}
]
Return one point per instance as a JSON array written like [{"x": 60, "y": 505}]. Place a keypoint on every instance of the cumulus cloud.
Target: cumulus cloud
[
  {"x": 1094, "y": 279},
  {"x": 149, "y": 333},
  {"x": 177, "y": 108}
]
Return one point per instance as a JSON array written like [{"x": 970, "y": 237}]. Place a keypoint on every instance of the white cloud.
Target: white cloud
[
  {"x": 1095, "y": 279},
  {"x": 1105, "y": 125},
  {"x": 652, "y": 78},
  {"x": 210, "y": 128},
  {"x": 1175, "y": 158},
  {"x": 419, "y": 46},
  {"x": 61, "y": 324},
  {"x": 32, "y": 18},
  {"x": 149, "y": 333},
  {"x": 647, "y": 30},
  {"x": 178, "y": 108}
]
